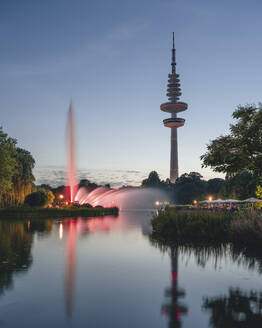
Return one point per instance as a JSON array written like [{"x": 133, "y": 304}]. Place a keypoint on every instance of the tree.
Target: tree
[
  {"x": 241, "y": 149},
  {"x": 259, "y": 192},
  {"x": 49, "y": 194},
  {"x": 37, "y": 198},
  {"x": 189, "y": 186},
  {"x": 214, "y": 185},
  {"x": 239, "y": 186},
  {"x": 153, "y": 180},
  {"x": 7, "y": 162},
  {"x": 16, "y": 177}
]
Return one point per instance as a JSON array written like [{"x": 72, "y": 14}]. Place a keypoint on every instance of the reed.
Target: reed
[{"x": 201, "y": 225}]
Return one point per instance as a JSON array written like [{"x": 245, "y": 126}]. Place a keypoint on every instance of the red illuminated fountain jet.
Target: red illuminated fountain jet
[{"x": 71, "y": 168}]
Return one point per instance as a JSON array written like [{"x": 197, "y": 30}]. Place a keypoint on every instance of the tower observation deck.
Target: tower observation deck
[{"x": 173, "y": 106}]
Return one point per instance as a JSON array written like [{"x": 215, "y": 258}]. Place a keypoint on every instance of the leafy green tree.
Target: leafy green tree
[
  {"x": 241, "y": 149},
  {"x": 259, "y": 192},
  {"x": 50, "y": 195},
  {"x": 37, "y": 198},
  {"x": 16, "y": 177},
  {"x": 7, "y": 162}
]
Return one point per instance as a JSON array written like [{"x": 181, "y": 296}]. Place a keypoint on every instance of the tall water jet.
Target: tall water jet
[{"x": 71, "y": 168}]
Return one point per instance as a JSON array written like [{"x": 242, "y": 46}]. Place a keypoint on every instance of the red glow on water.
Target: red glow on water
[
  {"x": 174, "y": 276},
  {"x": 71, "y": 168},
  {"x": 70, "y": 269},
  {"x": 101, "y": 224}
]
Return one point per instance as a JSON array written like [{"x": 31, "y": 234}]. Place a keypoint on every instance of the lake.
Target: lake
[{"x": 108, "y": 272}]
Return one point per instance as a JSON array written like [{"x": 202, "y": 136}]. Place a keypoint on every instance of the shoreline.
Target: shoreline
[
  {"x": 23, "y": 212},
  {"x": 243, "y": 228}
]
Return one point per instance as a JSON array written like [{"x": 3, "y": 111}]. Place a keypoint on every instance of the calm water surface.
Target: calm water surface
[{"x": 108, "y": 272}]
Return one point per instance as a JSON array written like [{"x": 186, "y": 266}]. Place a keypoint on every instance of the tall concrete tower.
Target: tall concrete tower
[{"x": 173, "y": 106}]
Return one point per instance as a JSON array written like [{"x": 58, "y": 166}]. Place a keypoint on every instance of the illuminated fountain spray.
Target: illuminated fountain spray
[
  {"x": 71, "y": 168},
  {"x": 123, "y": 198}
]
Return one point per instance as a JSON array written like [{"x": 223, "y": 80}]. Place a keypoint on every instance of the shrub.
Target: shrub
[{"x": 37, "y": 198}]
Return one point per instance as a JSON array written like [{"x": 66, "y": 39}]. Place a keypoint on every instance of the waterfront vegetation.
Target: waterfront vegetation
[
  {"x": 243, "y": 228},
  {"x": 62, "y": 212},
  {"x": 16, "y": 177}
]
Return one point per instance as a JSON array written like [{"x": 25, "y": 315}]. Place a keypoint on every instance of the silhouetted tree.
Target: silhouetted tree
[
  {"x": 189, "y": 186},
  {"x": 153, "y": 180},
  {"x": 240, "y": 186},
  {"x": 214, "y": 185}
]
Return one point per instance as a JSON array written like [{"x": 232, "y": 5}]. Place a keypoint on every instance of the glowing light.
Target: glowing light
[
  {"x": 60, "y": 231},
  {"x": 61, "y": 196},
  {"x": 157, "y": 203},
  {"x": 210, "y": 198},
  {"x": 195, "y": 202}
]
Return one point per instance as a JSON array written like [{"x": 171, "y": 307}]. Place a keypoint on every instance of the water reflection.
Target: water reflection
[
  {"x": 74, "y": 228},
  {"x": 16, "y": 239},
  {"x": 174, "y": 308},
  {"x": 70, "y": 265},
  {"x": 119, "y": 273},
  {"x": 203, "y": 253},
  {"x": 238, "y": 309}
]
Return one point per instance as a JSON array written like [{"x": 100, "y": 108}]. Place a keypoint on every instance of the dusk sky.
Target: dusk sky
[{"x": 113, "y": 58}]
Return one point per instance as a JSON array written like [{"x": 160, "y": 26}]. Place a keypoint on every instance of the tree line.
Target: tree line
[
  {"x": 16, "y": 172},
  {"x": 238, "y": 155}
]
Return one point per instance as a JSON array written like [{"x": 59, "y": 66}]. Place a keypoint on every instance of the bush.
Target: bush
[
  {"x": 49, "y": 194},
  {"x": 37, "y": 198}
]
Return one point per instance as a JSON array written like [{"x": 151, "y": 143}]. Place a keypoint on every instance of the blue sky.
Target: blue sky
[{"x": 113, "y": 58}]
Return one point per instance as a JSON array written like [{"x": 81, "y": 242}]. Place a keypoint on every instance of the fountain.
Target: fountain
[
  {"x": 71, "y": 168},
  {"x": 123, "y": 198}
]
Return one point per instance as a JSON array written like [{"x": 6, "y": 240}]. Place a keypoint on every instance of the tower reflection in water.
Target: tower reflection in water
[
  {"x": 174, "y": 309},
  {"x": 72, "y": 228}
]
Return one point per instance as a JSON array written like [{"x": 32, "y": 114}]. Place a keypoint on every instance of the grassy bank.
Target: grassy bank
[
  {"x": 31, "y": 212},
  {"x": 199, "y": 225}
]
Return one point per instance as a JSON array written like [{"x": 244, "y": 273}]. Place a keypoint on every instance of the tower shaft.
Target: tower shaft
[
  {"x": 173, "y": 106},
  {"x": 173, "y": 156}
]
